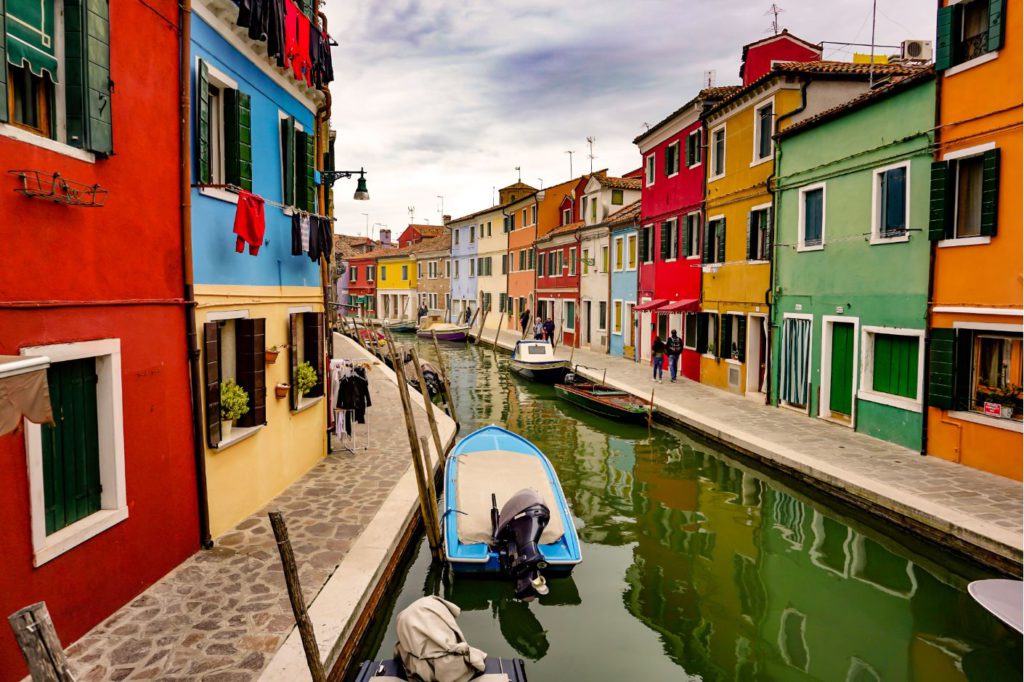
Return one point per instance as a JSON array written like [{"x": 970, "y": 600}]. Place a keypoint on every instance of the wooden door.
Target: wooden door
[{"x": 840, "y": 397}]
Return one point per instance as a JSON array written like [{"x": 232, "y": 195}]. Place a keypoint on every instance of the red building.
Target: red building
[
  {"x": 671, "y": 216},
  {"x": 759, "y": 55},
  {"x": 362, "y": 283},
  {"x": 417, "y": 233},
  {"x": 104, "y": 502},
  {"x": 558, "y": 280}
]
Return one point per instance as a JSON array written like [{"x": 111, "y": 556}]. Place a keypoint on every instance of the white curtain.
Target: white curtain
[{"x": 796, "y": 347}]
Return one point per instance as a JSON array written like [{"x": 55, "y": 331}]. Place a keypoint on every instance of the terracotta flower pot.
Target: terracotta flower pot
[
  {"x": 281, "y": 390},
  {"x": 272, "y": 356}
]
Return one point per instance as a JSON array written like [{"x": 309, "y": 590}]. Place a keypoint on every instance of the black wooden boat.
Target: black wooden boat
[{"x": 604, "y": 400}]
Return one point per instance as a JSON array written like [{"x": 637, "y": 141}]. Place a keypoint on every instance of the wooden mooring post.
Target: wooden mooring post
[
  {"x": 37, "y": 638},
  {"x": 497, "y": 334},
  {"x": 428, "y": 404},
  {"x": 291, "y": 579},
  {"x": 650, "y": 410},
  {"x": 479, "y": 334},
  {"x": 448, "y": 398}
]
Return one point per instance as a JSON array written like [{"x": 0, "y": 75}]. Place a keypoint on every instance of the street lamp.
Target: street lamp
[{"x": 361, "y": 194}]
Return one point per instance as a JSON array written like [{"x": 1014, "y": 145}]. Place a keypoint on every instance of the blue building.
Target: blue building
[
  {"x": 464, "y": 267},
  {"x": 624, "y": 226},
  {"x": 257, "y": 148}
]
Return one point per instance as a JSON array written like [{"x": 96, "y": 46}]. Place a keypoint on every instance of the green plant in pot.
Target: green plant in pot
[
  {"x": 234, "y": 402},
  {"x": 305, "y": 378},
  {"x": 1008, "y": 399}
]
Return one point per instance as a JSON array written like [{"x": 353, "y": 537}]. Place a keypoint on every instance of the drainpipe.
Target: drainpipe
[
  {"x": 608, "y": 305},
  {"x": 769, "y": 296},
  {"x": 191, "y": 335},
  {"x": 579, "y": 292},
  {"x": 320, "y": 140},
  {"x": 932, "y": 249}
]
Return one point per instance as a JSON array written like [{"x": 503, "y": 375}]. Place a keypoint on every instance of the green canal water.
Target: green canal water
[{"x": 698, "y": 566}]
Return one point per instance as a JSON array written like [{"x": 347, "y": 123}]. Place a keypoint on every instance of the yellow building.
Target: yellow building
[
  {"x": 734, "y": 327},
  {"x": 396, "y": 283}
]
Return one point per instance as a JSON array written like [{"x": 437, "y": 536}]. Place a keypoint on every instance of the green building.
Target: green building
[{"x": 850, "y": 282}]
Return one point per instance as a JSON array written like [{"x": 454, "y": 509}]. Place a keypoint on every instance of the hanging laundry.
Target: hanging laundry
[
  {"x": 276, "y": 29},
  {"x": 297, "y": 41},
  {"x": 320, "y": 57},
  {"x": 249, "y": 222},
  {"x": 296, "y": 234},
  {"x": 304, "y": 231},
  {"x": 354, "y": 394},
  {"x": 244, "y": 12}
]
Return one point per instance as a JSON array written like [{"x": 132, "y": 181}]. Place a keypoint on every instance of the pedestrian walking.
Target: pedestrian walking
[
  {"x": 658, "y": 358},
  {"x": 524, "y": 321},
  {"x": 674, "y": 348},
  {"x": 538, "y": 330},
  {"x": 549, "y": 329}
]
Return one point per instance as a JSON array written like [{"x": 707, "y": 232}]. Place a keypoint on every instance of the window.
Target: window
[
  {"x": 554, "y": 266},
  {"x": 670, "y": 239},
  {"x": 602, "y": 316},
  {"x": 647, "y": 244},
  {"x": 522, "y": 259},
  {"x": 585, "y": 260},
  {"x": 488, "y": 228},
  {"x": 533, "y": 214},
  {"x": 617, "y": 197},
  {"x": 447, "y": 268},
  {"x": 472, "y": 267},
  {"x": 405, "y": 273},
  {"x": 525, "y": 223},
  {"x": 618, "y": 254},
  {"x": 672, "y": 159},
  {"x": 593, "y": 210},
  {"x": 691, "y": 235},
  {"x": 714, "y": 241},
  {"x": 506, "y": 224},
  {"x": 456, "y": 234},
  {"x": 650, "y": 170},
  {"x": 631, "y": 251},
  {"x": 572, "y": 262},
  {"x": 354, "y": 275},
  {"x": 890, "y": 367},
  {"x": 690, "y": 331},
  {"x": 482, "y": 227},
  {"x": 758, "y": 239},
  {"x": 504, "y": 263},
  {"x": 472, "y": 234},
  {"x": 369, "y": 273},
  {"x": 969, "y": 184},
  {"x": 486, "y": 302},
  {"x": 419, "y": 269},
  {"x": 968, "y": 31},
  {"x": 45, "y": 54},
  {"x": 562, "y": 265},
  {"x": 604, "y": 256},
  {"x": 734, "y": 336},
  {"x": 965, "y": 194},
  {"x": 570, "y": 315},
  {"x": 456, "y": 269},
  {"x": 566, "y": 216},
  {"x": 707, "y": 333},
  {"x": 970, "y": 368},
  {"x": 503, "y": 302},
  {"x": 891, "y": 203},
  {"x": 763, "y": 132},
  {"x": 693, "y": 149},
  {"x": 812, "y": 218},
  {"x": 215, "y": 160},
  {"x": 616, "y": 317},
  {"x": 586, "y": 204},
  {"x": 531, "y": 255},
  {"x": 718, "y": 152},
  {"x": 383, "y": 272}
]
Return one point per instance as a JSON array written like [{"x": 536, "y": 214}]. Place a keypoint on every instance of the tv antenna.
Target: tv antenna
[
  {"x": 412, "y": 211},
  {"x": 590, "y": 143},
  {"x": 775, "y": 11},
  {"x": 709, "y": 78},
  {"x": 519, "y": 172},
  {"x": 441, "y": 197},
  {"x": 570, "y": 152}
]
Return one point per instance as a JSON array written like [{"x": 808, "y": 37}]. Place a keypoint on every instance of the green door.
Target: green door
[
  {"x": 841, "y": 391},
  {"x": 71, "y": 452}
]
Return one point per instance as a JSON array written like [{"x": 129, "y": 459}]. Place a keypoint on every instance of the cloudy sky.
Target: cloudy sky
[{"x": 446, "y": 97}]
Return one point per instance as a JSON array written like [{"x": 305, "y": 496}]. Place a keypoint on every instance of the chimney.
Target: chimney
[
  {"x": 385, "y": 237},
  {"x": 446, "y": 219}
]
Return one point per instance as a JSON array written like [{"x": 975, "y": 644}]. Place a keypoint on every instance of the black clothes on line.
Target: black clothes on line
[
  {"x": 296, "y": 235},
  {"x": 354, "y": 394},
  {"x": 320, "y": 56}
]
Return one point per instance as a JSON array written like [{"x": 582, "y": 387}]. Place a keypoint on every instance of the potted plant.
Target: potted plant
[
  {"x": 281, "y": 390},
  {"x": 273, "y": 352},
  {"x": 305, "y": 378},
  {"x": 1002, "y": 401},
  {"x": 234, "y": 402}
]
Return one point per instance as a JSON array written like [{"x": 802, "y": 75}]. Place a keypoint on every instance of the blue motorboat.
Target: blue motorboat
[{"x": 504, "y": 512}]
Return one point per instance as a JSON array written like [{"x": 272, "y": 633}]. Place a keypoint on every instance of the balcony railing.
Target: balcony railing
[{"x": 973, "y": 47}]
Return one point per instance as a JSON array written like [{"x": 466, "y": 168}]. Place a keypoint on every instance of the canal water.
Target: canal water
[{"x": 697, "y": 566}]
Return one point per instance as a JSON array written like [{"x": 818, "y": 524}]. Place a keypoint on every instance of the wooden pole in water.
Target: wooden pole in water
[
  {"x": 554, "y": 341},
  {"x": 291, "y": 580},
  {"x": 40, "y": 645},
  {"x": 428, "y": 404},
  {"x": 414, "y": 447},
  {"x": 650, "y": 410},
  {"x": 501, "y": 321},
  {"x": 479, "y": 334},
  {"x": 435, "y": 517},
  {"x": 448, "y": 398}
]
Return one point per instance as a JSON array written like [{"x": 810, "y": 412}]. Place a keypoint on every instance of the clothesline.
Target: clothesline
[{"x": 235, "y": 189}]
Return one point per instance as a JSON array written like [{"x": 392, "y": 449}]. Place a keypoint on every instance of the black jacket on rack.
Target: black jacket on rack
[{"x": 354, "y": 394}]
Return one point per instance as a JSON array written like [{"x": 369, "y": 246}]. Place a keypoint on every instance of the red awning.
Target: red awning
[
  {"x": 650, "y": 305},
  {"x": 688, "y": 305}
]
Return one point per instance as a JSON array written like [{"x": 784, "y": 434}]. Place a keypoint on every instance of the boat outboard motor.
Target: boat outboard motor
[{"x": 517, "y": 531}]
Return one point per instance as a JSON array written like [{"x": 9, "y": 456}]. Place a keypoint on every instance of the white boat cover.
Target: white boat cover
[
  {"x": 1002, "y": 598},
  {"x": 431, "y": 645},
  {"x": 534, "y": 351},
  {"x": 503, "y": 473}
]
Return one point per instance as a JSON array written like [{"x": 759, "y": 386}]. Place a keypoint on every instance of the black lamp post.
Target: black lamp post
[{"x": 361, "y": 193}]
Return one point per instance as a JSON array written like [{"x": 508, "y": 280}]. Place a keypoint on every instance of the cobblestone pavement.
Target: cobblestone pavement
[
  {"x": 221, "y": 615},
  {"x": 976, "y": 507}
]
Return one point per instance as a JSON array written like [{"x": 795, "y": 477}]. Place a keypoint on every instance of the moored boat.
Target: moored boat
[
  {"x": 445, "y": 331},
  {"x": 401, "y": 326},
  {"x": 536, "y": 360},
  {"x": 530, "y": 536},
  {"x": 604, "y": 400}
]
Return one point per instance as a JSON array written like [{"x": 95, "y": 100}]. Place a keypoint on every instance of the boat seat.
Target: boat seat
[{"x": 504, "y": 474}]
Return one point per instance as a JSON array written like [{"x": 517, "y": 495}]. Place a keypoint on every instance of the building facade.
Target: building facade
[
  {"x": 260, "y": 247},
  {"x": 362, "y": 284},
  {"x": 850, "y": 347},
  {"x": 492, "y": 266},
  {"x": 558, "y": 281},
  {"x": 974, "y": 413},
  {"x": 521, "y": 252},
  {"x": 396, "y": 283},
  {"x": 595, "y": 286},
  {"x": 433, "y": 266},
  {"x": 623, "y": 226},
  {"x": 463, "y": 257}
]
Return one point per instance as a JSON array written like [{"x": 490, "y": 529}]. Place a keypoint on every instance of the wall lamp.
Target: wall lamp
[{"x": 361, "y": 194}]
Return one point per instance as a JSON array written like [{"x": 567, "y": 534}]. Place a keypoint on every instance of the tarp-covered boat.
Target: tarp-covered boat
[
  {"x": 401, "y": 326},
  {"x": 536, "y": 360},
  {"x": 604, "y": 400},
  {"x": 445, "y": 331},
  {"x": 504, "y": 512}
]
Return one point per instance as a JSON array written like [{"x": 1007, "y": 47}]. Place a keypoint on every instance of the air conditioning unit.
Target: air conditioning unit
[{"x": 916, "y": 50}]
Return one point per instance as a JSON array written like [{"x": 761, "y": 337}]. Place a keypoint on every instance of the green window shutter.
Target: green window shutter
[
  {"x": 946, "y": 36},
  {"x": 313, "y": 336},
  {"x": 685, "y": 250},
  {"x": 238, "y": 142},
  {"x": 293, "y": 353},
  {"x": 705, "y": 256},
  {"x": 741, "y": 341},
  {"x": 942, "y": 368},
  {"x": 720, "y": 256},
  {"x": 751, "y": 241},
  {"x": 990, "y": 193},
  {"x": 211, "y": 378},
  {"x": 666, "y": 241},
  {"x": 895, "y": 366},
  {"x": 87, "y": 75},
  {"x": 996, "y": 24},
  {"x": 251, "y": 366},
  {"x": 3, "y": 64},
  {"x": 310, "y": 179},
  {"x": 939, "y": 216},
  {"x": 203, "y": 123},
  {"x": 642, "y": 245},
  {"x": 767, "y": 237},
  {"x": 724, "y": 334},
  {"x": 299, "y": 167},
  {"x": 288, "y": 160}
]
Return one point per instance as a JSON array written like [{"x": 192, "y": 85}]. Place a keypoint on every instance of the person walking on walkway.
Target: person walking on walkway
[
  {"x": 538, "y": 330},
  {"x": 658, "y": 358},
  {"x": 549, "y": 329},
  {"x": 524, "y": 321},
  {"x": 674, "y": 347}
]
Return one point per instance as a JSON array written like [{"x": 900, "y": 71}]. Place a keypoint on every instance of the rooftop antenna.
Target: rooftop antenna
[
  {"x": 871, "y": 66},
  {"x": 441, "y": 197},
  {"x": 494, "y": 195},
  {"x": 411, "y": 210},
  {"x": 541, "y": 180},
  {"x": 590, "y": 143},
  {"x": 709, "y": 78},
  {"x": 519, "y": 172},
  {"x": 570, "y": 152},
  {"x": 775, "y": 11}
]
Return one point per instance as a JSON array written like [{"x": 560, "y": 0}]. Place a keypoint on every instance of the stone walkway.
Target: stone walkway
[
  {"x": 222, "y": 615},
  {"x": 977, "y": 512}
]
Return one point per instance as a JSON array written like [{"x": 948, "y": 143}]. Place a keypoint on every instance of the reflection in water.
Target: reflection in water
[{"x": 697, "y": 567}]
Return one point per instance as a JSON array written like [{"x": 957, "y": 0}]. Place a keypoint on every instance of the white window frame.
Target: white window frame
[
  {"x": 620, "y": 266},
  {"x": 110, "y": 432},
  {"x": 696, "y": 317},
  {"x": 867, "y": 362},
  {"x": 695, "y": 131},
  {"x": 371, "y": 272},
  {"x": 801, "y": 210},
  {"x": 696, "y": 255},
  {"x": 618, "y": 317},
  {"x": 569, "y": 321},
  {"x": 755, "y": 159},
  {"x": 602, "y": 323},
  {"x": 712, "y": 156},
  {"x": 876, "y": 206},
  {"x": 679, "y": 162},
  {"x": 650, "y": 169},
  {"x": 762, "y": 207}
]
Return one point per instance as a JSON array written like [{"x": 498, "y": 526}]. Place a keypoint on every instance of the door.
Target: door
[
  {"x": 663, "y": 326},
  {"x": 840, "y": 395},
  {"x": 586, "y": 319}
]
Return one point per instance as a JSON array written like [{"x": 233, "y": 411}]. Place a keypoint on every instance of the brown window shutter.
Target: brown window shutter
[
  {"x": 293, "y": 357},
  {"x": 313, "y": 324},
  {"x": 250, "y": 344},
  {"x": 211, "y": 348}
]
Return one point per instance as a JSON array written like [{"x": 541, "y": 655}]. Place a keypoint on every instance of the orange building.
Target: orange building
[{"x": 975, "y": 369}]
